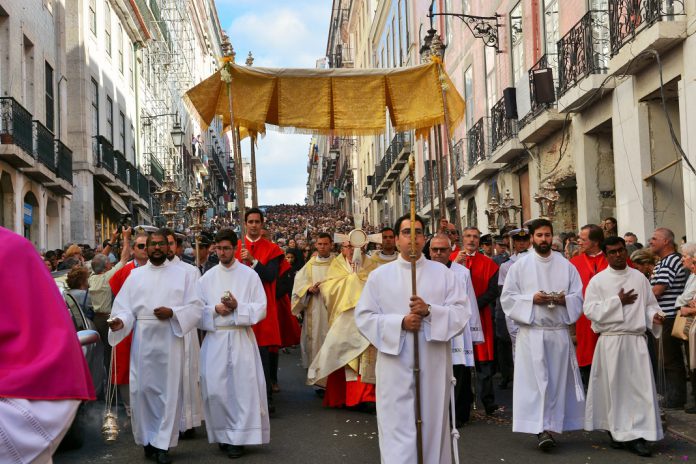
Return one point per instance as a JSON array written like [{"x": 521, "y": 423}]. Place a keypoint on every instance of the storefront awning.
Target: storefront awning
[{"x": 116, "y": 201}]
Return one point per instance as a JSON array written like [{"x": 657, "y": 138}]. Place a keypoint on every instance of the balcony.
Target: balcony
[
  {"x": 44, "y": 152},
  {"x": 16, "y": 138},
  {"x": 461, "y": 170},
  {"x": 120, "y": 184},
  {"x": 583, "y": 55},
  {"x": 639, "y": 25},
  {"x": 62, "y": 181},
  {"x": 342, "y": 57},
  {"x": 505, "y": 146},
  {"x": 392, "y": 163},
  {"x": 144, "y": 188},
  {"x": 480, "y": 164},
  {"x": 543, "y": 118},
  {"x": 104, "y": 159},
  {"x": 156, "y": 171}
]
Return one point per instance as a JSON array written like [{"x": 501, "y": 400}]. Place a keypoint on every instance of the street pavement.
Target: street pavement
[{"x": 302, "y": 431}]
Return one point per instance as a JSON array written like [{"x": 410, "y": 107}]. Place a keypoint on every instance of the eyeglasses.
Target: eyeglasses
[
  {"x": 158, "y": 244},
  {"x": 439, "y": 250},
  {"x": 140, "y": 246}
]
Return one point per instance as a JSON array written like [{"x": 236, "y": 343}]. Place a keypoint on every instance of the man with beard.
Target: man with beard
[
  {"x": 121, "y": 372},
  {"x": 462, "y": 345},
  {"x": 388, "y": 252},
  {"x": 543, "y": 296},
  {"x": 232, "y": 378},
  {"x": 484, "y": 277},
  {"x": 192, "y": 403},
  {"x": 164, "y": 300}
]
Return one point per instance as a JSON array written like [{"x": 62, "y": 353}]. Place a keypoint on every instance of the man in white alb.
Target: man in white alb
[
  {"x": 438, "y": 313},
  {"x": 164, "y": 300},
  {"x": 621, "y": 398},
  {"x": 388, "y": 252},
  {"x": 543, "y": 296},
  {"x": 232, "y": 379}
]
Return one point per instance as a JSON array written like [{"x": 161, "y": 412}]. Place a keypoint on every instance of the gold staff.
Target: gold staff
[{"x": 416, "y": 355}]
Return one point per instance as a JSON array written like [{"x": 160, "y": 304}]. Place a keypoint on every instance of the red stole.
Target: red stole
[
  {"x": 482, "y": 270},
  {"x": 267, "y": 331},
  {"x": 588, "y": 267},
  {"x": 121, "y": 375}
]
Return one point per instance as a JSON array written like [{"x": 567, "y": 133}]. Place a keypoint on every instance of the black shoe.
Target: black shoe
[
  {"x": 640, "y": 447},
  {"x": 491, "y": 408},
  {"x": 187, "y": 435},
  {"x": 320, "y": 392},
  {"x": 149, "y": 451},
  {"x": 546, "y": 441},
  {"x": 163, "y": 457},
  {"x": 223, "y": 446},
  {"x": 613, "y": 443},
  {"x": 503, "y": 385},
  {"x": 235, "y": 451}
]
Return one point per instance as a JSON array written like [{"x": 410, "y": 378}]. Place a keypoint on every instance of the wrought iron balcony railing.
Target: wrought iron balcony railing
[
  {"x": 476, "y": 151},
  {"x": 15, "y": 125},
  {"x": 546, "y": 61},
  {"x": 43, "y": 145},
  {"x": 121, "y": 167},
  {"x": 143, "y": 187},
  {"x": 132, "y": 177},
  {"x": 63, "y": 161},
  {"x": 502, "y": 128},
  {"x": 426, "y": 194},
  {"x": 584, "y": 50},
  {"x": 156, "y": 170},
  {"x": 627, "y": 18},
  {"x": 104, "y": 154}
]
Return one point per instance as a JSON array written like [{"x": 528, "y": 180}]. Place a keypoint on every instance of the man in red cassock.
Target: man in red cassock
[
  {"x": 588, "y": 262},
  {"x": 120, "y": 376},
  {"x": 268, "y": 260},
  {"x": 484, "y": 277}
]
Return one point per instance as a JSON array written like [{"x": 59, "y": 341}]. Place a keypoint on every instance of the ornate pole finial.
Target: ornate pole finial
[{"x": 250, "y": 59}]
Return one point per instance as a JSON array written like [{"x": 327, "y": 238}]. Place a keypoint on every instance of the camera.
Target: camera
[{"x": 125, "y": 222}]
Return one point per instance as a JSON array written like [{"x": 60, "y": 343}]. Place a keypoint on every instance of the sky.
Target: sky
[{"x": 280, "y": 34}]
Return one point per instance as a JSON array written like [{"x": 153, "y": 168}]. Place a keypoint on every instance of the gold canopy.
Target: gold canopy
[{"x": 329, "y": 101}]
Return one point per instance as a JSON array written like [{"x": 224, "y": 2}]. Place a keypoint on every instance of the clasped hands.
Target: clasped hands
[
  {"x": 413, "y": 320},
  {"x": 228, "y": 303},
  {"x": 543, "y": 298},
  {"x": 162, "y": 313}
]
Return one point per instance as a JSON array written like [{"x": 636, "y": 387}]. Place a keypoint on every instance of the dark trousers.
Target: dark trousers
[
  {"x": 674, "y": 389},
  {"x": 503, "y": 354},
  {"x": 273, "y": 358},
  {"x": 585, "y": 375},
  {"x": 103, "y": 330},
  {"x": 463, "y": 396},
  {"x": 484, "y": 381},
  {"x": 266, "y": 364}
]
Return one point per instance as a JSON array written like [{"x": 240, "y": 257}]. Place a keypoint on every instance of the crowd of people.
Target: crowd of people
[{"x": 567, "y": 319}]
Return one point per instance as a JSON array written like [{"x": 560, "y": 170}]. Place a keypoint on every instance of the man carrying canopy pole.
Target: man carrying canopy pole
[{"x": 385, "y": 313}]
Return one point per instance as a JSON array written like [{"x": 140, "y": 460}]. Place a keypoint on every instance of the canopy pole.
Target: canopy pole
[
  {"x": 254, "y": 189},
  {"x": 440, "y": 172},
  {"x": 450, "y": 148},
  {"x": 238, "y": 171}
]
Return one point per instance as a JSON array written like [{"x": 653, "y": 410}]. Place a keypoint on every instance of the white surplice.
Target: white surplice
[
  {"x": 157, "y": 354},
  {"x": 463, "y": 345},
  {"x": 234, "y": 388},
  {"x": 315, "y": 323},
  {"x": 383, "y": 304},
  {"x": 622, "y": 397},
  {"x": 192, "y": 402},
  {"x": 547, "y": 392},
  {"x": 512, "y": 328}
]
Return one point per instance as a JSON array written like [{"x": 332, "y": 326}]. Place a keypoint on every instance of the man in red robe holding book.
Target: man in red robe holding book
[{"x": 484, "y": 277}]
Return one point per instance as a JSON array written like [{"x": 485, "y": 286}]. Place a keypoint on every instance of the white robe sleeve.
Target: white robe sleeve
[
  {"x": 573, "y": 297},
  {"x": 252, "y": 311},
  {"x": 475, "y": 321},
  {"x": 449, "y": 319},
  {"x": 187, "y": 316},
  {"x": 122, "y": 309},
  {"x": 517, "y": 305},
  {"x": 207, "y": 321},
  {"x": 603, "y": 311},
  {"x": 382, "y": 330},
  {"x": 652, "y": 307}
]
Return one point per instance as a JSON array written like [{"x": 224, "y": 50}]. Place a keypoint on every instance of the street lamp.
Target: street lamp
[
  {"x": 482, "y": 27},
  {"x": 177, "y": 134}
]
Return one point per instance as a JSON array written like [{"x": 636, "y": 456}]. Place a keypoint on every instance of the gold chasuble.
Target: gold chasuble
[{"x": 344, "y": 346}]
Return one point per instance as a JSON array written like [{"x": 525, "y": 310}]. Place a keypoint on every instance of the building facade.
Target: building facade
[{"x": 36, "y": 178}]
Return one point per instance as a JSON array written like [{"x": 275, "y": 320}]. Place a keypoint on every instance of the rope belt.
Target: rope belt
[
  {"x": 230, "y": 327},
  {"x": 614, "y": 334}
]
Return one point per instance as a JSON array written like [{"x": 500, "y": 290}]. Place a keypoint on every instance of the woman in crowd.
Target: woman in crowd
[
  {"x": 644, "y": 260},
  {"x": 78, "y": 283}
]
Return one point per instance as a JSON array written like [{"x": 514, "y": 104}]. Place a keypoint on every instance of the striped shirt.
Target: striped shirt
[{"x": 670, "y": 272}]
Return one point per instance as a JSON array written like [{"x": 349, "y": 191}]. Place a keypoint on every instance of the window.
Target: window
[
  {"x": 50, "y": 115},
  {"x": 120, "y": 48},
  {"x": 491, "y": 82},
  {"x": 122, "y": 130},
  {"x": 395, "y": 43},
  {"x": 132, "y": 145},
  {"x": 516, "y": 43},
  {"x": 93, "y": 16},
  {"x": 448, "y": 22},
  {"x": 110, "y": 119},
  {"x": 469, "y": 96},
  {"x": 95, "y": 108},
  {"x": 131, "y": 59},
  {"x": 551, "y": 26},
  {"x": 107, "y": 28}
]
